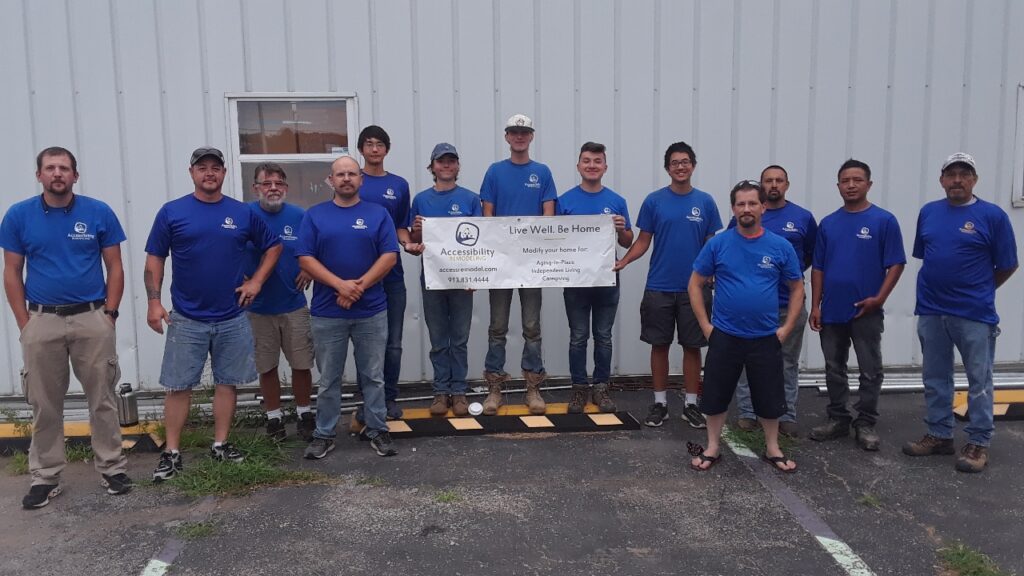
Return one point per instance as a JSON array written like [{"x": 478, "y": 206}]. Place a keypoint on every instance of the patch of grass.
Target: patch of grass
[
  {"x": 22, "y": 426},
  {"x": 447, "y": 497},
  {"x": 870, "y": 500},
  {"x": 372, "y": 481},
  {"x": 18, "y": 464},
  {"x": 754, "y": 440},
  {"x": 195, "y": 530},
  {"x": 78, "y": 452},
  {"x": 961, "y": 560}
]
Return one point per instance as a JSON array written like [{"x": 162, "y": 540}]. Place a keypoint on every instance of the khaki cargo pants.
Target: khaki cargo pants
[{"x": 48, "y": 343}]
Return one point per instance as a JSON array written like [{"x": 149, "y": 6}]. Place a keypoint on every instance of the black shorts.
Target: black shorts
[
  {"x": 663, "y": 313},
  {"x": 727, "y": 356}
]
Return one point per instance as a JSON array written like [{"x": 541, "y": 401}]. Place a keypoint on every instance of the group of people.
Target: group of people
[{"x": 241, "y": 270}]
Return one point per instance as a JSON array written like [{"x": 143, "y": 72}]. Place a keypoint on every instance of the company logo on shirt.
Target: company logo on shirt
[
  {"x": 467, "y": 233},
  {"x": 360, "y": 224},
  {"x": 229, "y": 223},
  {"x": 390, "y": 194},
  {"x": 968, "y": 228},
  {"x": 766, "y": 263},
  {"x": 790, "y": 227},
  {"x": 454, "y": 210},
  {"x": 865, "y": 233},
  {"x": 606, "y": 210},
  {"x": 288, "y": 234},
  {"x": 81, "y": 232},
  {"x": 534, "y": 181},
  {"x": 694, "y": 215}
]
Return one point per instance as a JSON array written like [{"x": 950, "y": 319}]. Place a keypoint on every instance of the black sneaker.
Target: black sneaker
[
  {"x": 39, "y": 495},
  {"x": 657, "y": 416},
  {"x": 693, "y": 416},
  {"x": 383, "y": 445},
  {"x": 226, "y": 452},
  {"x": 393, "y": 409},
  {"x": 170, "y": 464},
  {"x": 116, "y": 484},
  {"x": 306, "y": 426},
  {"x": 275, "y": 429},
  {"x": 318, "y": 448}
]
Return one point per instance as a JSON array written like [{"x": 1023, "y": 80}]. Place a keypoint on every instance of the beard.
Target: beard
[{"x": 272, "y": 206}]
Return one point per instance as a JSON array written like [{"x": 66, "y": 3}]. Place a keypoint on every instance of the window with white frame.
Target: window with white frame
[
  {"x": 303, "y": 133},
  {"x": 1018, "y": 152}
]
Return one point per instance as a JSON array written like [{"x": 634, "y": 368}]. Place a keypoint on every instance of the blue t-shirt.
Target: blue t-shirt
[
  {"x": 62, "y": 250},
  {"x": 279, "y": 294},
  {"x": 391, "y": 192},
  {"x": 207, "y": 244},
  {"x": 854, "y": 250},
  {"x": 679, "y": 223},
  {"x": 579, "y": 202},
  {"x": 518, "y": 189},
  {"x": 795, "y": 224},
  {"x": 748, "y": 273},
  {"x": 347, "y": 241},
  {"x": 455, "y": 202},
  {"x": 962, "y": 247}
]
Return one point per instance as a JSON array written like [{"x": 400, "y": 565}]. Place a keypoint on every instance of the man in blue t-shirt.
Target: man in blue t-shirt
[
  {"x": 348, "y": 247},
  {"x": 392, "y": 192},
  {"x": 968, "y": 250},
  {"x": 448, "y": 313},
  {"x": 205, "y": 233},
  {"x": 678, "y": 220},
  {"x": 858, "y": 258},
  {"x": 517, "y": 186},
  {"x": 749, "y": 265},
  {"x": 797, "y": 225},
  {"x": 598, "y": 304},
  {"x": 279, "y": 315},
  {"x": 66, "y": 311}
]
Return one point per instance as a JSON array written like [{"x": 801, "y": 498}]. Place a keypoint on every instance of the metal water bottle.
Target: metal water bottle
[{"x": 127, "y": 405}]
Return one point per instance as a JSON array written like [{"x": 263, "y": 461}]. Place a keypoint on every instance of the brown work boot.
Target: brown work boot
[
  {"x": 460, "y": 406},
  {"x": 578, "y": 400},
  {"x": 439, "y": 407},
  {"x": 603, "y": 398},
  {"x": 747, "y": 424},
  {"x": 494, "y": 398},
  {"x": 929, "y": 446},
  {"x": 973, "y": 458},
  {"x": 534, "y": 401}
]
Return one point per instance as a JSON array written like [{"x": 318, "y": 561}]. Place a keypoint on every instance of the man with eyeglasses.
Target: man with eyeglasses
[
  {"x": 516, "y": 186},
  {"x": 205, "y": 233},
  {"x": 279, "y": 314},
  {"x": 797, "y": 225},
  {"x": 678, "y": 220},
  {"x": 858, "y": 258},
  {"x": 392, "y": 192},
  {"x": 749, "y": 264},
  {"x": 968, "y": 250}
]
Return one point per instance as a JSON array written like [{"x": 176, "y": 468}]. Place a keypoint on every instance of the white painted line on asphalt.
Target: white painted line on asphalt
[
  {"x": 155, "y": 568},
  {"x": 845, "y": 557}
]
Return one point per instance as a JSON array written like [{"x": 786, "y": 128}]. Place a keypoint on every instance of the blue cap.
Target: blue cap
[{"x": 442, "y": 149}]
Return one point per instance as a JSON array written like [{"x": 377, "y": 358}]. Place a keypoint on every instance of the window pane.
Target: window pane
[
  {"x": 307, "y": 183},
  {"x": 292, "y": 127}
]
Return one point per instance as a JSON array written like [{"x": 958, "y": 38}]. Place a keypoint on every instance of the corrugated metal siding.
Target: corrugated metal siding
[{"x": 132, "y": 86}]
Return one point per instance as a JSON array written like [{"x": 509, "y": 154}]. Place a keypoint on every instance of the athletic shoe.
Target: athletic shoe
[
  {"x": 657, "y": 416},
  {"x": 170, "y": 464},
  {"x": 39, "y": 495},
  {"x": 306, "y": 426},
  {"x": 226, "y": 452},
  {"x": 693, "y": 416},
  {"x": 394, "y": 410},
  {"x": 275, "y": 429},
  {"x": 383, "y": 445},
  {"x": 116, "y": 484},
  {"x": 318, "y": 448}
]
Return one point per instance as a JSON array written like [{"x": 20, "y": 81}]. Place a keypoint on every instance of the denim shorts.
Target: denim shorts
[{"x": 228, "y": 343}]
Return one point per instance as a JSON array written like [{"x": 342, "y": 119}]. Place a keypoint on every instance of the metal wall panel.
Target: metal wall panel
[{"x": 133, "y": 86}]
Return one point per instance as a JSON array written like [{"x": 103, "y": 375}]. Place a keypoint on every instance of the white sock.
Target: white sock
[
  {"x": 691, "y": 398},
  {"x": 661, "y": 397},
  {"x": 218, "y": 444},
  {"x": 275, "y": 414},
  {"x": 300, "y": 410}
]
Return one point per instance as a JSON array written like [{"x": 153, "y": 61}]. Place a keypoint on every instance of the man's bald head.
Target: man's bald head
[{"x": 346, "y": 178}]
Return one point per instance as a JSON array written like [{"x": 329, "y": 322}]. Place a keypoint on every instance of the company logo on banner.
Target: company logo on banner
[{"x": 467, "y": 234}]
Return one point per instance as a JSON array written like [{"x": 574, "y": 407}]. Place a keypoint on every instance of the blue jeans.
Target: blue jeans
[
  {"x": 501, "y": 306},
  {"x": 790, "y": 371},
  {"x": 448, "y": 314},
  {"x": 395, "y": 292},
  {"x": 976, "y": 342},
  {"x": 369, "y": 337},
  {"x": 582, "y": 304}
]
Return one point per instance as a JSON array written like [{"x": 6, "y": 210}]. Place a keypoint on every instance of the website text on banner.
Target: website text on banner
[{"x": 519, "y": 252}]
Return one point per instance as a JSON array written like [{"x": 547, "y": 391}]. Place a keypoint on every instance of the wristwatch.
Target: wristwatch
[{"x": 112, "y": 313}]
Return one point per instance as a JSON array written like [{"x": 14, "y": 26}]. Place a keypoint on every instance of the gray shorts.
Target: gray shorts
[
  {"x": 665, "y": 313},
  {"x": 276, "y": 333}
]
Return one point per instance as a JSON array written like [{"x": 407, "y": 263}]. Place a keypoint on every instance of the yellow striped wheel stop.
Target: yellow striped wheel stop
[{"x": 1006, "y": 405}]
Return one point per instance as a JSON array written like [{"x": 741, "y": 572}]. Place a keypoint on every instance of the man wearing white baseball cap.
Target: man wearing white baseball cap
[
  {"x": 516, "y": 186},
  {"x": 967, "y": 248}
]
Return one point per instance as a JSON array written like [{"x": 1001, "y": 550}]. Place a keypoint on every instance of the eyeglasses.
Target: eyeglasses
[
  {"x": 680, "y": 164},
  {"x": 272, "y": 183}
]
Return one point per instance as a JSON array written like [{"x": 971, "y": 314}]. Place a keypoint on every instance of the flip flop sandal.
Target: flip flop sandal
[
  {"x": 776, "y": 460},
  {"x": 705, "y": 458}
]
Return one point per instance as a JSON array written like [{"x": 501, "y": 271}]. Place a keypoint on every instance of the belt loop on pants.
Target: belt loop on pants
[{"x": 66, "y": 309}]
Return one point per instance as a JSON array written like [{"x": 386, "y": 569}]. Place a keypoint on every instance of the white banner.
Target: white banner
[{"x": 519, "y": 252}]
